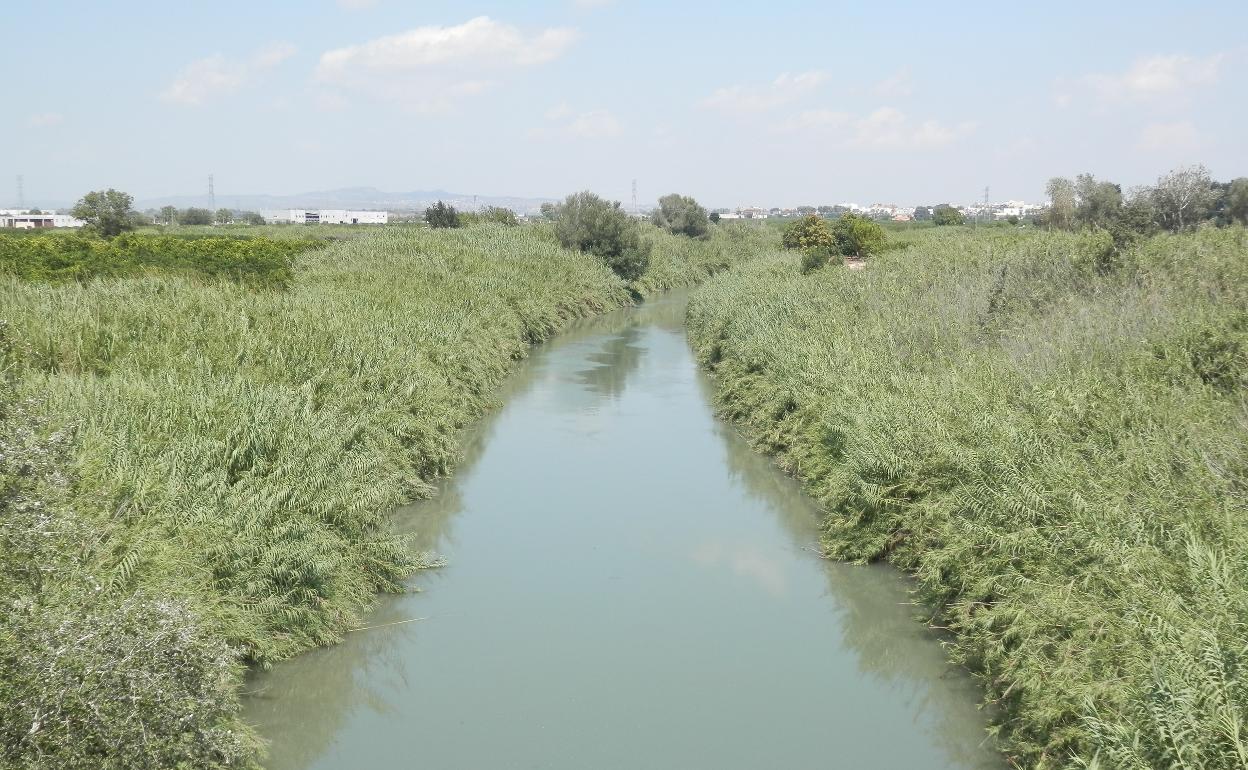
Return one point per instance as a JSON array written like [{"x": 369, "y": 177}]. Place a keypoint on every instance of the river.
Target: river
[{"x": 629, "y": 586}]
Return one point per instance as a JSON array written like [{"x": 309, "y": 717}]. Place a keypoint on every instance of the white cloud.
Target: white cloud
[
  {"x": 594, "y": 124},
  {"x": 1157, "y": 76},
  {"x": 896, "y": 85},
  {"x": 746, "y": 99},
  {"x": 885, "y": 128},
  {"x": 45, "y": 120},
  {"x": 890, "y": 128},
  {"x": 429, "y": 68},
  {"x": 214, "y": 76},
  {"x": 1182, "y": 135},
  {"x": 814, "y": 119}
]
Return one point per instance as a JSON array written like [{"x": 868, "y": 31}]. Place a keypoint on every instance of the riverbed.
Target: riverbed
[{"x": 628, "y": 585}]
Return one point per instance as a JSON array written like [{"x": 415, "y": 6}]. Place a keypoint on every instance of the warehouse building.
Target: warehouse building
[
  {"x": 22, "y": 219},
  {"x": 329, "y": 217}
]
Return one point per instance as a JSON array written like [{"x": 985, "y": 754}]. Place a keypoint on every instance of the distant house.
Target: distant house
[
  {"x": 331, "y": 217},
  {"x": 22, "y": 219}
]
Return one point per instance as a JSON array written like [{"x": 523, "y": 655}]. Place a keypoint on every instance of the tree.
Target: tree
[
  {"x": 107, "y": 211},
  {"x": 681, "y": 215},
  {"x": 810, "y": 233},
  {"x": 550, "y": 211},
  {"x": 1061, "y": 192},
  {"x": 168, "y": 215},
  {"x": 922, "y": 214},
  {"x": 713, "y": 217},
  {"x": 1237, "y": 201},
  {"x": 224, "y": 216},
  {"x": 253, "y": 217},
  {"x": 596, "y": 226},
  {"x": 857, "y": 236},
  {"x": 944, "y": 214},
  {"x": 1183, "y": 197},
  {"x": 442, "y": 215},
  {"x": 1100, "y": 203},
  {"x": 194, "y": 216}
]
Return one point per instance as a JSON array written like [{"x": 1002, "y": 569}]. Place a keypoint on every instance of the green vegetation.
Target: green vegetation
[
  {"x": 1054, "y": 444},
  {"x": 822, "y": 242},
  {"x": 196, "y": 475},
  {"x": 441, "y": 215},
  {"x": 945, "y": 215},
  {"x": 681, "y": 215},
  {"x": 490, "y": 214},
  {"x": 595, "y": 226},
  {"x": 194, "y": 216},
  {"x": 58, "y": 257},
  {"x": 107, "y": 212},
  {"x": 1183, "y": 199}
]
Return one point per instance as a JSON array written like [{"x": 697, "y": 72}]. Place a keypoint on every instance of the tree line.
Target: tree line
[
  {"x": 1180, "y": 200},
  {"x": 589, "y": 223}
]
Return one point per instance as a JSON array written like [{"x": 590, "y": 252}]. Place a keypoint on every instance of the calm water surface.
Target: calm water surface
[{"x": 629, "y": 586}]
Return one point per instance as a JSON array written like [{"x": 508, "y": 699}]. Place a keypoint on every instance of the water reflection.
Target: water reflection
[{"x": 630, "y": 586}]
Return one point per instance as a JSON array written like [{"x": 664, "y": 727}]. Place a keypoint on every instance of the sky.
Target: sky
[{"x": 775, "y": 103}]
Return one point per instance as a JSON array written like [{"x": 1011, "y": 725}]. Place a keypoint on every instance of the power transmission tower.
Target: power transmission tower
[
  {"x": 212, "y": 196},
  {"x": 21, "y": 193},
  {"x": 636, "y": 211}
]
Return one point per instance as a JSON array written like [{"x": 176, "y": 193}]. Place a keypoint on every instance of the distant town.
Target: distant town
[{"x": 34, "y": 218}]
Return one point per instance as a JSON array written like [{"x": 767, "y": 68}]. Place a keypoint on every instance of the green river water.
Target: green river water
[{"x": 629, "y": 586}]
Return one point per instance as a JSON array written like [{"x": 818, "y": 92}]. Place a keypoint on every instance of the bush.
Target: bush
[
  {"x": 55, "y": 258},
  {"x": 945, "y": 214},
  {"x": 490, "y": 214},
  {"x": 681, "y": 215},
  {"x": 591, "y": 224},
  {"x": 857, "y": 236},
  {"x": 194, "y": 216},
  {"x": 442, "y": 215},
  {"x": 808, "y": 233}
]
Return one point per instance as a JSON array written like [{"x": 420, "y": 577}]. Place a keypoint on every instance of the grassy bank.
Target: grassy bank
[
  {"x": 1052, "y": 436},
  {"x": 195, "y": 472}
]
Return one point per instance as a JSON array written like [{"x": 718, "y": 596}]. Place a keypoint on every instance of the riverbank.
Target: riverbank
[
  {"x": 201, "y": 471},
  {"x": 1050, "y": 434},
  {"x": 628, "y": 585}
]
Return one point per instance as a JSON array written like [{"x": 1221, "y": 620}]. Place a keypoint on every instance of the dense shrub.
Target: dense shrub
[
  {"x": 857, "y": 236},
  {"x": 944, "y": 215},
  {"x": 599, "y": 227},
  {"x": 822, "y": 243},
  {"x": 194, "y": 216},
  {"x": 441, "y": 215},
  {"x": 809, "y": 233},
  {"x": 257, "y": 262},
  {"x": 681, "y": 215}
]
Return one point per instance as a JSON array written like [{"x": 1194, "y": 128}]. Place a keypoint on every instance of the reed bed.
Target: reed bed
[
  {"x": 1052, "y": 436},
  {"x": 195, "y": 474}
]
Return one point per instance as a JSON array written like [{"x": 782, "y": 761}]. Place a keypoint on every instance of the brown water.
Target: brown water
[{"x": 629, "y": 586}]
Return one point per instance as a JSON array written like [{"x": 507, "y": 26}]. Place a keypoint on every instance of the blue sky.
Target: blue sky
[{"x": 775, "y": 103}]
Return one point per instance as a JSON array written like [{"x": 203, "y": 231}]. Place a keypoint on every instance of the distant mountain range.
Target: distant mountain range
[{"x": 350, "y": 198}]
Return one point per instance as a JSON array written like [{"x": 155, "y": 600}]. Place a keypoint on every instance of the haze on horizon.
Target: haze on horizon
[{"x": 781, "y": 104}]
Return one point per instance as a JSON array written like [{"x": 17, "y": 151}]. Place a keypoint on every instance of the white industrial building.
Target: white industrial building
[
  {"x": 327, "y": 217},
  {"x": 22, "y": 219}
]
